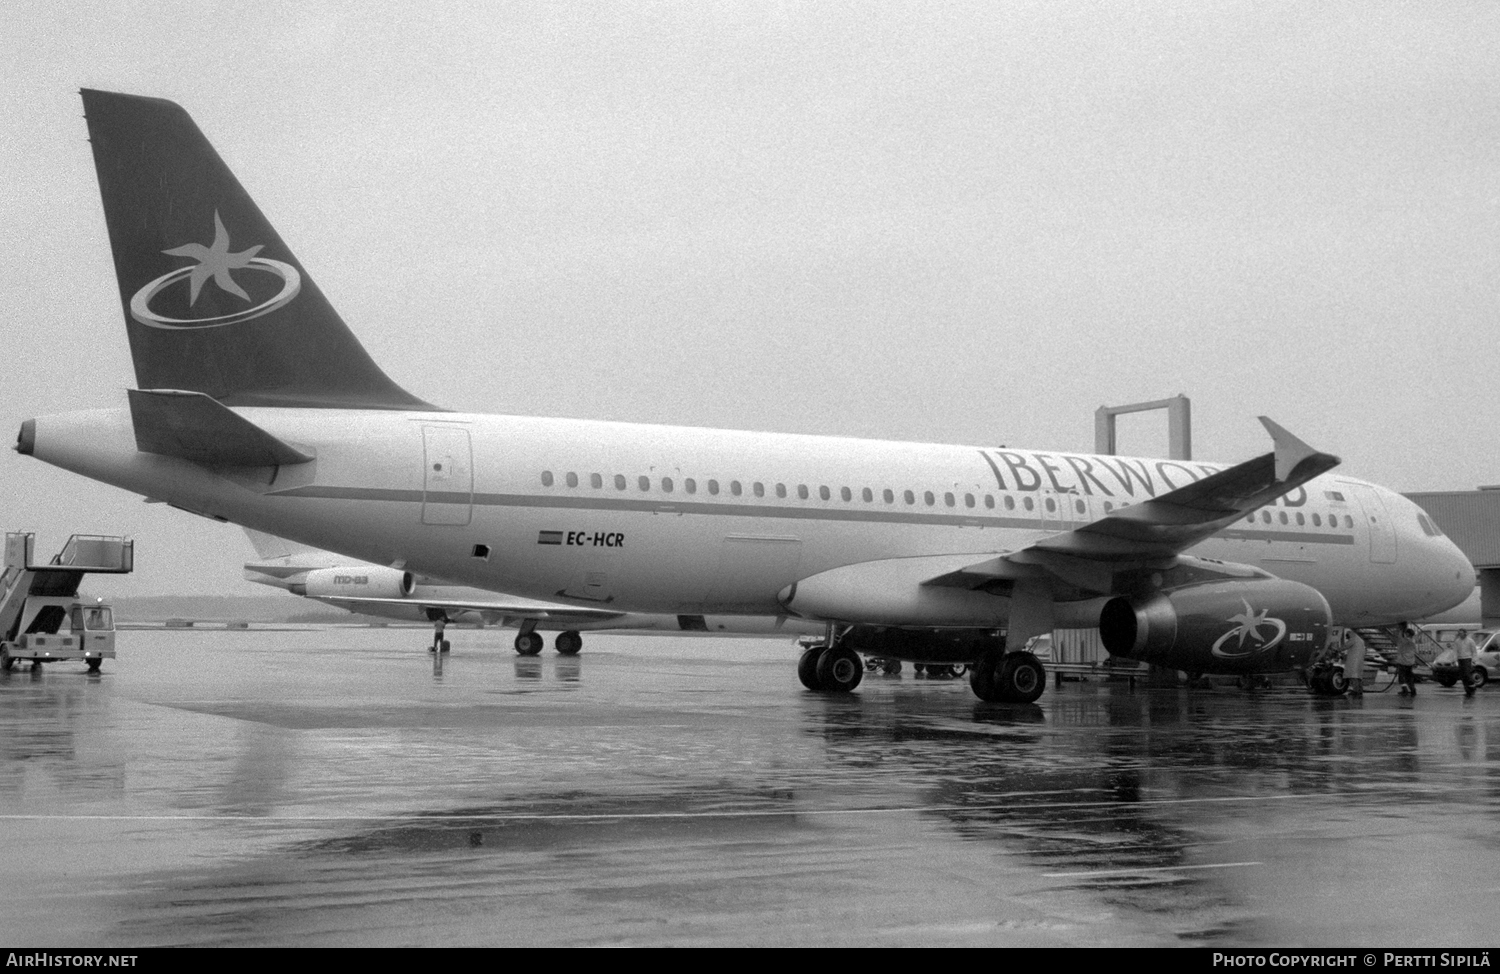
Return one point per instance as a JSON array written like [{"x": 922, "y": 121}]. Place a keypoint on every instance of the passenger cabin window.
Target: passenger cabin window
[
  {"x": 572, "y": 480},
  {"x": 889, "y": 495},
  {"x": 713, "y": 487},
  {"x": 760, "y": 489},
  {"x": 1029, "y": 504},
  {"x": 802, "y": 491},
  {"x": 619, "y": 481},
  {"x": 989, "y": 501},
  {"x": 596, "y": 481},
  {"x": 546, "y": 478},
  {"x": 690, "y": 485},
  {"x": 845, "y": 494},
  {"x": 868, "y": 495},
  {"x": 948, "y": 500},
  {"x": 1051, "y": 505},
  {"x": 644, "y": 483},
  {"x": 734, "y": 488},
  {"x": 1010, "y": 503},
  {"x": 1080, "y": 506},
  {"x": 823, "y": 492},
  {"x": 781, "y": 490},
  {"x": 909, "y": 497},
  {"x": 666, "y": 485},
  {"x": 927, "y": 496}
]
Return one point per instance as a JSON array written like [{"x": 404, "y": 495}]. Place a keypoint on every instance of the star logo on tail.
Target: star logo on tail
[{"x": 215, "y": 261}]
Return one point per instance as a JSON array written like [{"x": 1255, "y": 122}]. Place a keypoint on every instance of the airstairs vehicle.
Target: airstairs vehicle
[{"x": 42, "y": 619}]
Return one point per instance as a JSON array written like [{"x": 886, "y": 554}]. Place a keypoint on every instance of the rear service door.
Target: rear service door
[{"x": 448, "y": 476}]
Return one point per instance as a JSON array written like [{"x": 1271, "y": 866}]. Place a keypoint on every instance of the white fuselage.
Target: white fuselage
[{"x": 687, "y": 520}]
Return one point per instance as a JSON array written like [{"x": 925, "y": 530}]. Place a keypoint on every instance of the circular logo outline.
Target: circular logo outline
[
  {"x": 140, "y": 303},
  {"x": 1241, "y": 653}
]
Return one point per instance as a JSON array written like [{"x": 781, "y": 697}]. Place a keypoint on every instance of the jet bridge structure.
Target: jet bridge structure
[{"x": 41, "y": 617}]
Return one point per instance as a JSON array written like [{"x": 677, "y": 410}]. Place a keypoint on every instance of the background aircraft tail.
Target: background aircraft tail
[{"x": 214, "y": 302}]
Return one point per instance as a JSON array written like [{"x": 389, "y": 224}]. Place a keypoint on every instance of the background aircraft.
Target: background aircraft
[
  {"x": 377, "y": 590},
  {"x": 258, "y": 406}
]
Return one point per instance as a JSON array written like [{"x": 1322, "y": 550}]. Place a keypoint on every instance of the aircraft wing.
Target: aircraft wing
[
  {"x": 1154, "y": 532},
  {"x": 1090, "y": 561},
  {"x": 509, "y": 608}
]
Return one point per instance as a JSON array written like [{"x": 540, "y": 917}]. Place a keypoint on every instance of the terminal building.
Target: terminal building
[{"x": 1472, "y": 519}]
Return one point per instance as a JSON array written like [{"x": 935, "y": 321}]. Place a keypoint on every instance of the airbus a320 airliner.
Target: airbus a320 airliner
[{"x": 257, "y": 405}]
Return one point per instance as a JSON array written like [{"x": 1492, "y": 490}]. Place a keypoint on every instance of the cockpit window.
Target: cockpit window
[{"x": 1428, "y": 527}]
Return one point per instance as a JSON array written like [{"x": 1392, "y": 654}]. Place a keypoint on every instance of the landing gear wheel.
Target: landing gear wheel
[
  {"x": 839, "y": 670},
  {"x": 1478, "y": 677},
  {"x": 529, "y": 643},
  {"x": 807, "y": 668},
  {"x": 1021, "y": 678},
  {"x": 982, "y": 676},
  {"x": 568, "y": 643},
  {"x": 1338, "y": 685}
]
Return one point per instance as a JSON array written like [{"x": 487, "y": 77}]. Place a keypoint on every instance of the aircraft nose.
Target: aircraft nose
[{"x": 26, "y": 439}]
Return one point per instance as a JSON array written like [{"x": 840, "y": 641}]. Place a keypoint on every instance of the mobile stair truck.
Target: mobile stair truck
[{"x": 41, "y": 617}]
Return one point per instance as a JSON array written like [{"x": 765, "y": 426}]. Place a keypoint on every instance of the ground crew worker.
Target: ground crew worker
[
  {"x": 1406, "y": 661},
  {"x": 1354, "y": 663},
  {"x": 1464, "y": 647}
]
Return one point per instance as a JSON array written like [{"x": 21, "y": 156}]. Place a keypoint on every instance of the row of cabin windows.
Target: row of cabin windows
[
  {"x": 758, "y": 489},
  {"x": 690, "y": 486},
  {"x": 1317, "y": 519}
]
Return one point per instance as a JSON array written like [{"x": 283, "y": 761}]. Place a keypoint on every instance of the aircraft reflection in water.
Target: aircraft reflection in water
[
  {"x": 1166, "y": 803},
  {"x": 258, "y": 406}
]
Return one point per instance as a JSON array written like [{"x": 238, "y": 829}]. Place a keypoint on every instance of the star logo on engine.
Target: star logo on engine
[{"x": 1249, "y": 624}]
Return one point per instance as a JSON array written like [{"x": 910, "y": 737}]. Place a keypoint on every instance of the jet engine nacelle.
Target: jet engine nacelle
[
  {"x": 1241, "y": 626},
  {"x": 370, "y": 582}
]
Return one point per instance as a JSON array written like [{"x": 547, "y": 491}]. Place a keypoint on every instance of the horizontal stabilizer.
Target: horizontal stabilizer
[{"x": 197, "y": 427}]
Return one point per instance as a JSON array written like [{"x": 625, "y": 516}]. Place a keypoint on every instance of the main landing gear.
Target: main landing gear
[
  {"x": 529, "y": 643},
  {"x": 830, "y": 669},
  {"x": 1000, "y": 677}
]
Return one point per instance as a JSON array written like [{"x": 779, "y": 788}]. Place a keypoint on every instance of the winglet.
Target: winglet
[{"x": 1290, "y": 451}]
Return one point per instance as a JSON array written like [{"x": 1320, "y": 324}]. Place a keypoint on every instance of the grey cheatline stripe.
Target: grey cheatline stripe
[{"x": 731, "y": 509}]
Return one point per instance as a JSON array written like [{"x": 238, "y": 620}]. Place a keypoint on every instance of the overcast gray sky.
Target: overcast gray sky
[{"x": 969, "y": 223}]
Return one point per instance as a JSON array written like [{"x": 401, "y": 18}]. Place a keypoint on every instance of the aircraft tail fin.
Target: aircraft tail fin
[{"x": 214, "y": 301}]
